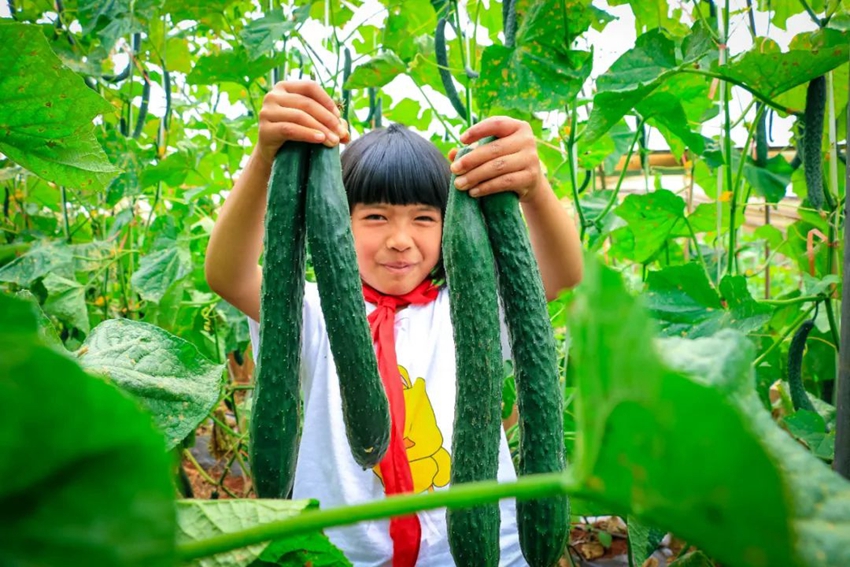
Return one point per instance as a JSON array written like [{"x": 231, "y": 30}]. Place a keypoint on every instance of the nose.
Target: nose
[{"x": 400, "y": 238}]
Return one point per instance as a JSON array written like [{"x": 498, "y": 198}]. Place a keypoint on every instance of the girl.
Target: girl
[{"x": 397, "y": 186}]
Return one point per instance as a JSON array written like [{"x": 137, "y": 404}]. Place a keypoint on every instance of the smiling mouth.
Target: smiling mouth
[{"x": 398, "y": 268}]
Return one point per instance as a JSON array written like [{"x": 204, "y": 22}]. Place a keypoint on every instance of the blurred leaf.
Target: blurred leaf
[
  {"x": 158, "y": 271},
  {"x": 66, "y": 300},
  {"x": 407, "y": 19},
  {"x": 674, "y": 450},
  {"x": 704, "y": 217},
  {"x": 97, "y": 491},
  {"x": 643, "y": 540},
  {"x": 376, "y": 72},
  {"x": 232, "y": 65},
  {"x": 49, "y": 131},
  {"x": 259, "y": 36},
  {"x": 47, "y": 258},
  {"x": 165, "y": 373},
  {"x": 202, "y": 519}
]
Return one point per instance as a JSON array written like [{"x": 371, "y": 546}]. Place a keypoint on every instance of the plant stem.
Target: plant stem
[
  {"x": 437, "y": 113},
  {"x": 792, "y": 300},
  {"x": 791, "y": 328},
  {"x": 65, "y": 224},
  {"x": 572, "y": 157},
  {"x": 625, "y": 168},
  {"x": 738, "y": 83},
  {"x": 698, "y": 252},
  {"x": 811, "y": 13},
  {"x": 204, "y": 475},
  {"x": 841, "y": 463},
  {"x": 529, "y": 487}
]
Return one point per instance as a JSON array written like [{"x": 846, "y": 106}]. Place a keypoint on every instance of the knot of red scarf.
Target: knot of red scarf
[{"x": 395, "y": 468}]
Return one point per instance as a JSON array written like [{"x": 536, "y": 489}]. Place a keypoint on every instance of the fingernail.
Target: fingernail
[
  {"x": 460, "y": 182},
  {"x": 334, "y": 139},
  {"x": 318, "y": 136},
  {"x": 456, "y": 167},
  {"x": 474, "y": 192},
  {"x": 341, "y": 130},
  {"x": 336, "y": 111}
]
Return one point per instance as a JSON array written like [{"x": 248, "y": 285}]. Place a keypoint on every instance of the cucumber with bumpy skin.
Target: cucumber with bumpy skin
[
  {"x": 470, "y": 273},
  {"x": 543, "y": 524},
  {"x": 276, "y": 411},
  {"x": 365, "y": 408},
  {"x": 799, "y": 397},
  {"x": 813, "y": 140}
]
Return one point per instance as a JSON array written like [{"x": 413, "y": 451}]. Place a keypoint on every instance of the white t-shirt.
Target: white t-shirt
[{"x": 326, "y": 470}]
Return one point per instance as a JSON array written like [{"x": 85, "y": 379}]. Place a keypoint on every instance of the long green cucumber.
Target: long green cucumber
[
  {"x": 365, "y": 408},
  {"x": 813, "y": 140},
  {"x": 275, "y": 414},
  {"x": 543, "y": 524},
  {"x": 799, "y": 396},
  {"x": 471, "y": 277}
]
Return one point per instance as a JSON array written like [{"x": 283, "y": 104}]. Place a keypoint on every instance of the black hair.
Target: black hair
[{"x": 395, "y": 166}]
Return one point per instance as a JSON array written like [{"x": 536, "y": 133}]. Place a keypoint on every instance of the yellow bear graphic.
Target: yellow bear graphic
[{"x": 430, "y": 463}]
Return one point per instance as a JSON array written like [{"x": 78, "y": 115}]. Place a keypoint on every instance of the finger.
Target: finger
[
  {"x": 499, "y": 126},
  {"x": 284, "y": 121},
  {"x": 496, "y": 149},
  {"x": 309, "y": 106},
  {"x": 517, "y": 181},
  {"x": 452, "y": 154},
  {"x": 312, "y": 90},
  {"x": 499, "y": 166}
]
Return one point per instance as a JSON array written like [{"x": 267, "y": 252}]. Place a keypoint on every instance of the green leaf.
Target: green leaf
[
  {"x": 376, "y": 72},
  {"x": 704, "y": 217},
  {"x": 684, "y": 303},
  {"x": 810, "y": 428},
  {"x": 770, "y": 72},
  {"x": 259, "y": 36},
  {"x": 407, "y": 111},
  {"x": 407, "y": 19},
  {"x": 770, "y": 181},
  {"x": 165, "y": 373},
  {"x": 47, "y": 333},
  {"x": 159, "y": 270},
  {"x": 673, "y": 450},
  {"x": 651, "y": 14},
  {"x": 637, "y": 73},
  {"x": 202, "y": 519},
  {"x": 37, "y": 263},
  {"x": 643, "y": 540},
  {"x": 66, "y": 300},
  {"x": 234, "y": 66},
  {"x": 48, "y": 131},
  {"x": 540, "y": 72},
  {"x": 96, "y": 487},
  {"x": 654, "y": 218}
]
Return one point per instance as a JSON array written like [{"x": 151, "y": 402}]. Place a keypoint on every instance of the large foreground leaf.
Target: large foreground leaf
[
  {"x": 46, "y": 113},
  {"x": 166, "y": 373},
  {"x": 198, "y": 520},
  {"x": 85, "y": 475},
  {"x": 673, "y": 432}
]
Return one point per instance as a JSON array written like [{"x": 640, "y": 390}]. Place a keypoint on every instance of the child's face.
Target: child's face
[{"x": 397, "y": 245}]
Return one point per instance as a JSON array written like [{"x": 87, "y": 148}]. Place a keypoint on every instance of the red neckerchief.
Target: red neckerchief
[{"x": 405, "y": 531}]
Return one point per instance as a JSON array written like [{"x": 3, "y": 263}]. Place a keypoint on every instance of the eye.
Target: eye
[
  {"x": 427, "y": 218},
  {"x": 374, "y": 216}
]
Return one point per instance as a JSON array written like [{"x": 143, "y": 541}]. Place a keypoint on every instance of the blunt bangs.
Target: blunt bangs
[{"x": 395, "y": 166}]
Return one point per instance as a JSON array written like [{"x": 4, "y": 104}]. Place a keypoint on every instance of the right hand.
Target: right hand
[{"x": 299, "y": 111}]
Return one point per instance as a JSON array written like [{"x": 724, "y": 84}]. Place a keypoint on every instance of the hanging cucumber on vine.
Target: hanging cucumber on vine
[
  {"x": 445, "y": 74},
  {"x": 813, "y": 139}
]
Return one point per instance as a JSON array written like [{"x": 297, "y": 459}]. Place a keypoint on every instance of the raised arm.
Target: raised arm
[
  {"x": 511, "y": 163},
  {"x": 292, "y": 111}
]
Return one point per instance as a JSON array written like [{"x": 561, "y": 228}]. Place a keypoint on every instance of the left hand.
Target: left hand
[{"x": 509, "y": 163}]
